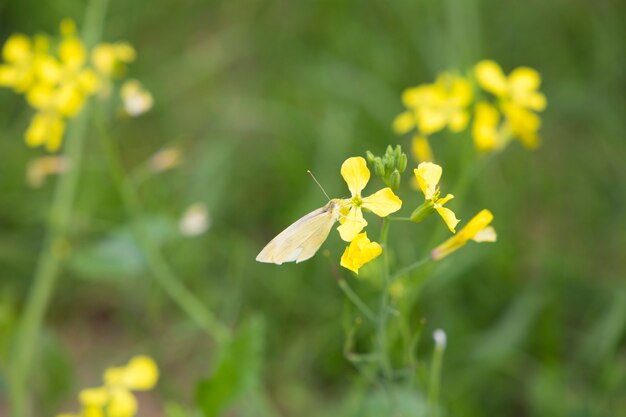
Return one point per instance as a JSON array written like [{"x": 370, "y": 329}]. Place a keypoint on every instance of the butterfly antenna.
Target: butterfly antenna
[{"x": 318, "y": 184}]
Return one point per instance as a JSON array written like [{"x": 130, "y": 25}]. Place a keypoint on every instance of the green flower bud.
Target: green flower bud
[
  {"x": 379, "y": 168},
  {"x": 402, "y": 163},
  {"x": 370, "y": 157},
  {"x": 394, "y": 180}
]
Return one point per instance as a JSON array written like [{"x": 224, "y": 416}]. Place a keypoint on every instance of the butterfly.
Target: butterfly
[{"x": 303, "y": 238}]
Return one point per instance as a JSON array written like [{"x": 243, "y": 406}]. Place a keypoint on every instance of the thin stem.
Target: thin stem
[
  {"x": 384, "y": 302},
  {"x": 411, "y": 267},
  {"x": 358, "y": 302},
  {"x": 55, "y": 244},
  {"x": 435, "y": 379},
  {"x": 160, "y": 269},
  {"x": 399, "y": 219}
]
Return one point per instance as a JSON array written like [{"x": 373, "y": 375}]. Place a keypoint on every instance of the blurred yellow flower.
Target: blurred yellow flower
[
  {"x": 485, "y": 131},
  {"x": 524, "y": 124},
  {"x": 519, "y": 97},
  {"x": 21, "y": 55},
  {"x": 422, "y": 152},
  {"x": 359, "y": 252},
  {"x": 114, "y": 398},
  {"x": 476, "y": 229},
  {"x": 428, "y": 175},
  {"x": 58, "y": 83},
  {"x": 382, "y": 203},
  {"x": 519, "y": 88},
  {"x": 141, "y": 373},
  {"x": 137, "y": 100},
  {"x": 45, "y": 129},
  {"x": 108, "y": 58},
  {"x": 432, "y": 107}
]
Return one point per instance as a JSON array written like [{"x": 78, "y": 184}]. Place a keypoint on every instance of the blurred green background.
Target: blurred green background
[{"x": 255, "y": 93}]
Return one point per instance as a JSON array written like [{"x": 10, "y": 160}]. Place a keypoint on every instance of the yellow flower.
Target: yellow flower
[
  {"x": 21, "y": 55},
  {"x": 137, "y": 100},
  {"x": 141, "y": 373},
  {"x": 523, "y": 123},
  {"x": 108, "y": 58},
  {"x": 382, "y": 203},
  {"x": 485, "y": 131},
  {"x": 477, "y": 229},
  {"x": 519, "y": 88},
  {"x": 115, "y": 398},
  {"x": 428, "y": 175},
  {"x": 422, "y": 151},
  {"x": 45, "y": 129},
  {"x": 122, "y": 403},
  {"x": 432, "y": 107},
  {"x": 360, "y": 252},
  {"x": 63, "y": 85}
]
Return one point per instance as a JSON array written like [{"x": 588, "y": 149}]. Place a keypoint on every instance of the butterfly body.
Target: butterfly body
[{"x": 303, "y": 238}]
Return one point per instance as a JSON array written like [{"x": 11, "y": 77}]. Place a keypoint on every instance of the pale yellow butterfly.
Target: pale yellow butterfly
[{"x": 303, "y": 238}]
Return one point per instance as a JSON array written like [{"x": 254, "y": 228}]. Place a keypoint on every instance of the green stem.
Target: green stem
[
  {"x": 384, "y": 303},
  {"x": 411, "y": 267},
  {"x": 435, "y": 376},
  {"x": 55, "y": 244},
  {"x": 399, "y": 219},
  {"x": 160, "y": 269},
  {"x": 358, "y": 302}
]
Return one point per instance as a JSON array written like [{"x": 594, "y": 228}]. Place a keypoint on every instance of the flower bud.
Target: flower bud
[
  {"x": 370, "y": 157},
  {"x": 379, "y": 168},
  {"x": 402, "y": 163},
  {"x": 394, "y": 180}
]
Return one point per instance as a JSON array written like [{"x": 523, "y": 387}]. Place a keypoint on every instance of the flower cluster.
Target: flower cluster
[
  {"x": 57, "y": 82},
  {"x": 382, "y": 203},
  {"x": 114, "y": 398},
  {"x": 517, "y": 99},
  {"x": 430, "y": 108}
]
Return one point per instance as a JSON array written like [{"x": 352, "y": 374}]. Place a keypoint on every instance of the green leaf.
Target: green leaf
[
  {"x": 237, "y": 370},
  {"x": 117, "y": 255}
]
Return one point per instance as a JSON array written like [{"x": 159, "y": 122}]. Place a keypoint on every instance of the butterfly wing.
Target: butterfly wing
[{"x": 301, "y": 240}]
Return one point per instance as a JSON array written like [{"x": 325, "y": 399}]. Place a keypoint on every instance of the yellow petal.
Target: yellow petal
[
  {"x": 422, "y": 151},
  {"x": 448, "y": 217},
  {"x": 92, "y": 411},
  {"x": 141, "y": 373},
  {"x": 428, "y": 175},
  {"x": 458, "y": 120},
  {"x": 382, "y": 203},
  {"x": 404, "y": 122},
  {"x": 524, "y": 79},
  {"x": 18, "y": 48},
  {"x": 469, "y": 231},
  {"x": 484, "y": 129},
  {"x": 461, "y": 92},
  {"x": 352, "y": 224},
  {"x": 431, "y": 120},
  {"x": 488, "y": 234},
  {"x": 441, "y": 201},
  {"x": 359, "y": 252},
  {"x": 354, "y": 171},
  {"x": 72, "y": 53},
  {"x": 490, "y": 77},
  {"x": 96, "y": 397},
  {"x": 122, "y": 404}
]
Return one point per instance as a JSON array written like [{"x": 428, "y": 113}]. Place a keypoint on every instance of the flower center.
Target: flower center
[{"x": 356, "y": 201}]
